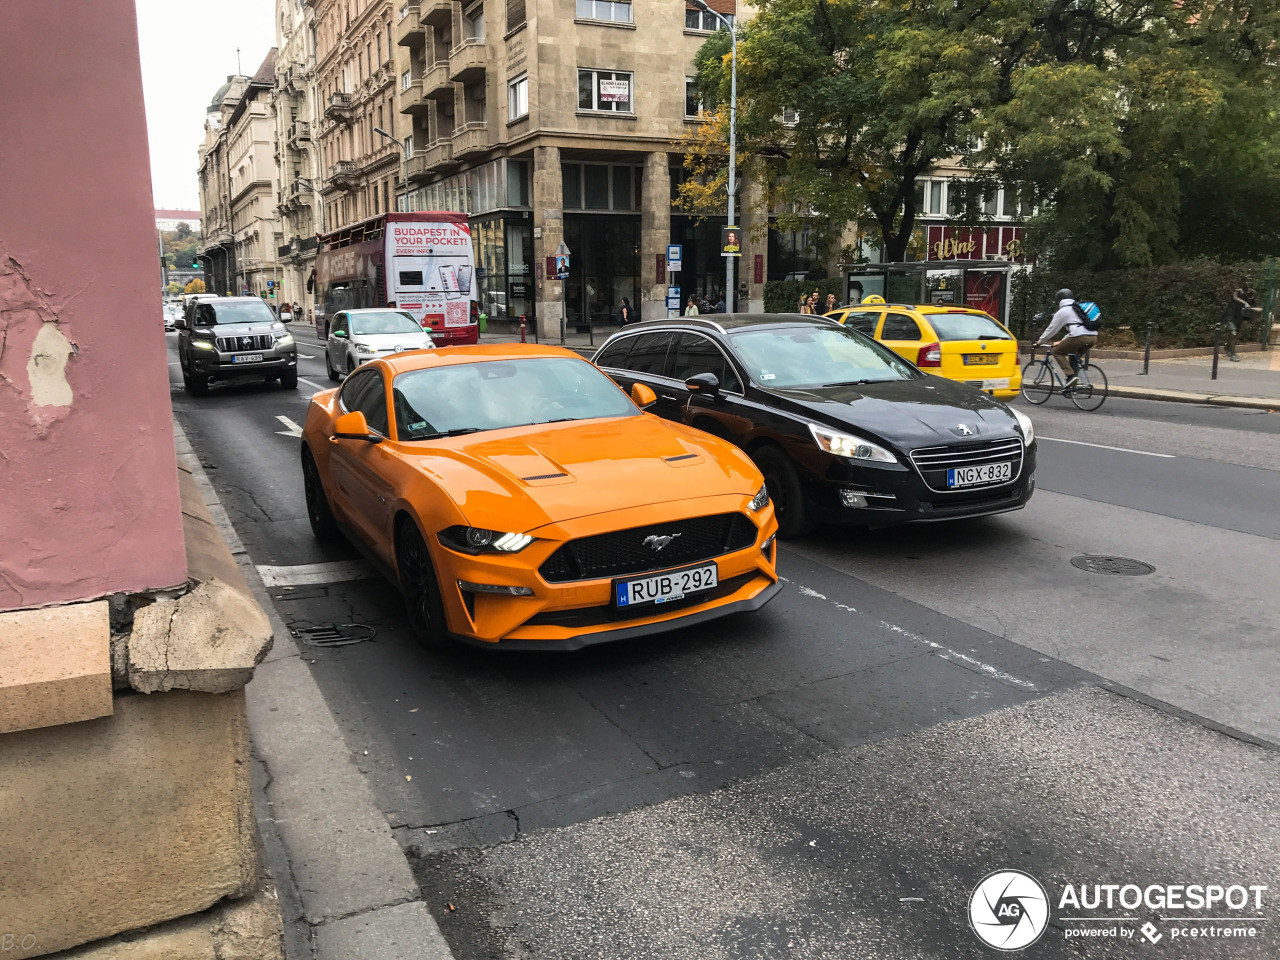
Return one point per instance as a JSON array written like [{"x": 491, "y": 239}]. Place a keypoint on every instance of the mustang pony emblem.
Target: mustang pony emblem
[{"x": 657, "y": 543}]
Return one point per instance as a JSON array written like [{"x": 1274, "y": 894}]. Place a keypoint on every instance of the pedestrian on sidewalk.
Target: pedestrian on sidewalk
[
  {"x": 1242, "y": 306},
  {"x": 692, "y": 309},
  {"x": 1078, "y": 339},
  {"x": 625, "y": 314}
]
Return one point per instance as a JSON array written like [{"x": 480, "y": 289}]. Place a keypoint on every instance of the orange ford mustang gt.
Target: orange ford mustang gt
[{"x": 520, "y": 499}]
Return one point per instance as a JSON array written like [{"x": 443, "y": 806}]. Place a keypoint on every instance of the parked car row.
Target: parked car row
[{"x": 520, "y": 499}]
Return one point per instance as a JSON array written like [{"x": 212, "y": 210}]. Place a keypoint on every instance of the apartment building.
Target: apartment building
[
  {"x": 558, "y": 121},
  {"x": 218, "y": 252},
  {"x": 296, "y": 104},
  {"x": 355, "y": 80},
  {"x": 238, "y": 182}
]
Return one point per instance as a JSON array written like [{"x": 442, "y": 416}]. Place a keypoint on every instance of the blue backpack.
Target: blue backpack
[{"x": 1089, "y": 314}]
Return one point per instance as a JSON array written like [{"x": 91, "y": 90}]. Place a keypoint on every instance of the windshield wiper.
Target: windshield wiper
[
  {"x": 455, "y": 432},
  {"x": 858, "y": 383}
]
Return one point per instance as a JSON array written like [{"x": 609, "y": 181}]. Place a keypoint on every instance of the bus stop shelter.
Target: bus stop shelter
[{"x": 979, "y": 284}]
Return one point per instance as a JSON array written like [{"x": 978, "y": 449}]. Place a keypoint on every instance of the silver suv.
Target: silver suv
[{"x": 235, "y": 338}]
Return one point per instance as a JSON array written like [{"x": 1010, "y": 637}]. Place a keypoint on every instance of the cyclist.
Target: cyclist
[{"x": 1078, "y": 339}]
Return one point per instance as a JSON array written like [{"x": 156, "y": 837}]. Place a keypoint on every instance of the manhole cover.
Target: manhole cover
[
  {"x": 335, "y": 634},
  {"x": 1113, "y": 566}
]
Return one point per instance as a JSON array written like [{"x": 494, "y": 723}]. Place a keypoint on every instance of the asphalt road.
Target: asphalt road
[{"x": 918, "y": 708}]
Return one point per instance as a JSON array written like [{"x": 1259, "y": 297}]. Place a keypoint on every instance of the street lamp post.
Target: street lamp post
[
  {"x": 306, "y": 182},
  {"x": 731, "y": 293},
  {"x": 404, "y": 163}
]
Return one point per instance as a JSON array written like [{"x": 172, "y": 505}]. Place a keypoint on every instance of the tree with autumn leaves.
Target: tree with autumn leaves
[{"x": 1144, "y": 129}]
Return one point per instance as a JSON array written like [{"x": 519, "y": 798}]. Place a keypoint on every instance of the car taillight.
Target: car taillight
[
  {"x": 930, "y": 356},
  {"x": 475, "y": 312}
]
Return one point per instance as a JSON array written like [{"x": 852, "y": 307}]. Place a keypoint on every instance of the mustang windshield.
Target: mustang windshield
[
  {"x": 392, "y": 321},
  {"x": 491, "y": 395},
  {"x": 811, "y": 356}
]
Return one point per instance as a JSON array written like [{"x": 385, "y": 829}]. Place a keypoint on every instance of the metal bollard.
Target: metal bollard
[
  {"x": 1146, "y": 352},
  {"x": 1217, "y": 337},
  {"x": 524, "y": 338}
]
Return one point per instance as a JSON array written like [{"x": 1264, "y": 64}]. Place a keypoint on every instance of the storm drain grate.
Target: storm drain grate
[
  {"x": 335, "y": 635},
  {"x": 1113, "y": 566}
]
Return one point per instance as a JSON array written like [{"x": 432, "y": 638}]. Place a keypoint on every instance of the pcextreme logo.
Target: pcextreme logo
[{"x": 1009, "y": 910}]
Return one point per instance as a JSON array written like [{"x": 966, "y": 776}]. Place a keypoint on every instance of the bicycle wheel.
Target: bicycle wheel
[
  {"x": 1037, "y": 382},
  {"x": 1092, "y": 390}
]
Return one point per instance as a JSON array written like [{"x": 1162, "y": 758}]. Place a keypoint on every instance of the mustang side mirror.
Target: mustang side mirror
[
  {"x": 340, "y": 334},
  {"x": 704, "y": 383},
  {"x": 642, "y": 395},
  {"x": 353, "y": 426}
]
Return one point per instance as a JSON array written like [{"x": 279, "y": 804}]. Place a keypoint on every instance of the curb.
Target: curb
[
  {"x": 1179, "y": 396},
  {"x": 346, "y": 890}
]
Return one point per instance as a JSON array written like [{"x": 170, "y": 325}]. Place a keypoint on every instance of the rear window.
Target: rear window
[{"x": 967, "y": 326}]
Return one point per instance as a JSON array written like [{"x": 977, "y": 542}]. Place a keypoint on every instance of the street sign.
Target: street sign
[
  {"x": 675, "y": 253},
  {"x": 673, "y": 292},
  {"x": 270, "y": 284},
  {"x": 673, "y": 303},
  {"x": 672, "y": 314}
]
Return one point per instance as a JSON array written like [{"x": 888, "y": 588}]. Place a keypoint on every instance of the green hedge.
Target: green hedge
[
  {"x": 781, "y": 296},
  {"x": 1184, "y": 300}
]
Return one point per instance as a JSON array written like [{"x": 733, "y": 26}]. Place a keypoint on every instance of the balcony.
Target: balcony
[
  {"x": 468, "y": 61},
  {"x": 295, "y": 195},
  {"x": 431, "y": 159},
  {"x": 436, "y": 84},
  {"x": 470, "y": 138},
  {"x": 344, "y": 174},
  {"x": 408, "y": 31},
  {"x": 436, "y": 13},
  {"x": 339, "y": 107},
  {"x": 412, "y": 101},
  {"x": 299, "y": 132}
]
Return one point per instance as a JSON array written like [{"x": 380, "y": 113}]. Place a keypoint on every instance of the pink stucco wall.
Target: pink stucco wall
[{"x": 88, "y": 482}]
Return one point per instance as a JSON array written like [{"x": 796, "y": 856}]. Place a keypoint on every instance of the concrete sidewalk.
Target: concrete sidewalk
[{"x": 1252, "y": 382}]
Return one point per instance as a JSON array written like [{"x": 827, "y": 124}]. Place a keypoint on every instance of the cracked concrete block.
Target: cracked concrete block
[
  {"x": 55, "y": 665},
  {"x": 208, "y": 640},
  {"x": 127, "y": 821},
  {"x": 247, "y": 929}
]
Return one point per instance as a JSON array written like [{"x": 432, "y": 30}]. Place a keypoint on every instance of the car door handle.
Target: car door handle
[{"x": 667, "y": 396}]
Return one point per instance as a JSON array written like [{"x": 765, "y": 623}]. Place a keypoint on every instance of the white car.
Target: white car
[{"x": 357, "y": 336}]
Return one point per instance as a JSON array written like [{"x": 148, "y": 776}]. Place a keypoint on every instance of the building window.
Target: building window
[
  {"x": 693, "y": 105},
  {"x": 406, "y": 78},
  {"x": 515, "y": 14},
  {"x": 702, "y": 20},
  {"x": 604, "y": 10},
  {"x": 790, "y": 116},
  {"x": 408, "y": 146},
  {"x": 473, "y": 22},
  {"x": 604, "y": 90},
  {"x": 599, "y": 186},
  {"x": 379, "y": 48},
  {"x": 518, "y": 98}
]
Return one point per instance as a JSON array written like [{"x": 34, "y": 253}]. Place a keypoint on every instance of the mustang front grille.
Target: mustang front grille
[{"x": 625, "y": 552}]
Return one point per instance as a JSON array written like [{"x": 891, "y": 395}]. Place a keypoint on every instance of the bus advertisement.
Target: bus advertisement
[{"x": 422, "y": 263}]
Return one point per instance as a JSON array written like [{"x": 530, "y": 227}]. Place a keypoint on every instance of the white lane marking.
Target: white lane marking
[
  {"x": 291, "y": 429},
  {"x": 946, "y": 653},
  {"x": 311, "y": 383},
  {"x": 1103, "y": 446},
  {"x": 306, "y": 574}
]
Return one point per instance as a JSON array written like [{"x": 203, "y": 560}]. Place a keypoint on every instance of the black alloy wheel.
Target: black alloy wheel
[
  {"x": 323, "y": 525},
  {"x": 418, "y": 584},
  {"x": 785, "y": 491},
  {"x": 328, "y": 367}
]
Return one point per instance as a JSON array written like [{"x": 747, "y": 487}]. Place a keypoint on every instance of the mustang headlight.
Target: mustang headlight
[
  {"x": 849, "y": 445},
  {"x": 760, "y": 500},
  {"x": 1028, "y": 428},
  {"x": 480, "y": 540}
]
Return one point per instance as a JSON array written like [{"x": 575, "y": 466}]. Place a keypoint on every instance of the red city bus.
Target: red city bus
[{"x": 419, "y": 262}]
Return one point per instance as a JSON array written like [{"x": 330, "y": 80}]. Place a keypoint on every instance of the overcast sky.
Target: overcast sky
[{"x": 188, "y": 50}]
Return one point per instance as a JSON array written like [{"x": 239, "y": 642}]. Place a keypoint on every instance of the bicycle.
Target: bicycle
[{"x": 1041, "y": 378}]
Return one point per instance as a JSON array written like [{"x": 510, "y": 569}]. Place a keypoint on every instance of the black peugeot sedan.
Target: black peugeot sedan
[{"x": 844, "y": 430}]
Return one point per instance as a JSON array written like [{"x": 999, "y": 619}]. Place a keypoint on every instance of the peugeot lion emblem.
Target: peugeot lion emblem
[
  {"x": 656, "y": 543},
  {"x": 964, "y": 430}
]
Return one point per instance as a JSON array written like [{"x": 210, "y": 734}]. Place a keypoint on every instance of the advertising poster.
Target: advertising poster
[
  {"x": 432, "y": 269},
  {"x": 984, "y": 291}
]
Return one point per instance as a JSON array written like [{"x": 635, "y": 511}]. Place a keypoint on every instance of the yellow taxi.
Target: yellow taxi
[{"x": 950, "y": 341}]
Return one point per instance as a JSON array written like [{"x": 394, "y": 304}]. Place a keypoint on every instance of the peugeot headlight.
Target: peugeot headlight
[
  {"x": 760, "y": 500},
  {"x": 1028, "y": 428},
  {"x": 849, "y": 445},
  {"x": 480, "y": 540}
]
